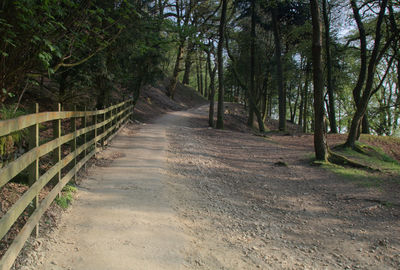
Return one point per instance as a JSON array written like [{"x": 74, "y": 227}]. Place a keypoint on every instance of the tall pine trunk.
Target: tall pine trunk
[
  {"x": 211, "y": 96},
  {"x": 201, "y": 77},
  {"x": 331, "y": 107},
  {"x": 306, "y": 100},
  {"x": 253, "y": 104},
  {"x": 174, "y": 80},
  {"x": 279, "y": 71},
  {"x": 320, "y": 146},
  {"x": 188, "y": 62},
  {"x": 220, "y": 112}
]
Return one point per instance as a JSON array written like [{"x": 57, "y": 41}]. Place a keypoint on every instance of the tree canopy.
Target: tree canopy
[{"x": 71, "y": 51}]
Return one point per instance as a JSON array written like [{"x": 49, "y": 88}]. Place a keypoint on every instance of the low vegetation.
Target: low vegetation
[
  {"x": 369, "y": 165},
  {"x": 66, "y": 196}
]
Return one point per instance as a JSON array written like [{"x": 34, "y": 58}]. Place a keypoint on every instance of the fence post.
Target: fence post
[
  {"x": 34, "y": 167},
  {"x": 58, "y": 134},
  {"x": 111, "y": 128},
  {"x": 73, "y": 120},
  {"x": 133, "y": 107},
  {"x": 84, "y": 136},
  {"x": 124, "y": 108},
  {"x": 116, "y": 118},
  {"x": 95, "y": 134},
  {"x": 121, "y": 108},
  {"x": 114, "y": 121},
  {"x": 57, "y": 151},
  {"x": 103, "y": 128},
  {"x": 117, "y": 111}
]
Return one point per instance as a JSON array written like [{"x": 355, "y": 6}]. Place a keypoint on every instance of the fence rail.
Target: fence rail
[{"x": 105, "y": 124}]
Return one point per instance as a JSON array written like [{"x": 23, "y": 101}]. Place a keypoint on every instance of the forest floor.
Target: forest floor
[{"x": 220, "y": 199}]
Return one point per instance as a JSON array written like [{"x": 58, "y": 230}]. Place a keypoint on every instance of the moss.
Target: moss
[
  {"x": 377, "y": 167},
  {"x": 372, "y": 156}
]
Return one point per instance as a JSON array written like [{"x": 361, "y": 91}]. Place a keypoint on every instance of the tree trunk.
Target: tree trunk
[
  {"x": 250, "y": 99},
  {"x": 264, "y": 98},
  {"x": 269, "y": 103},
  {"x": 136, "y": 89},
  {"x": 188, "y": 62},
  {"x": 300, "y": 122},
  {"x": 365, "y": 129},
  {"x": 198, "y": 77},
  {"x": 201, "y": 77},
  {"x": 306, "y": 99},
  {"x": 206, "y": 94},
  {"x": 321, "y": 151},
  {"x": 296, "y": 102},
  {"x": 279, "y": 72},
  {"x": 250, "y": 117},
  {"x": 211, "y": 95},
  {"x": 62, "y": 87},
  {"x": 397, "y": 109},
  {"x": 331, "y": 107},
  {"x": 362, "y": 104},
  {"x": 174, "y": 80},
  {"x": 220, "y": 113}
]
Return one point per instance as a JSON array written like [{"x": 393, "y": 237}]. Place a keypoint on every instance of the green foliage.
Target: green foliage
[
  {"x": 42, "y": 38},
  {"x": 66, "y": 196},
  {"x": 8, "y": 143}
]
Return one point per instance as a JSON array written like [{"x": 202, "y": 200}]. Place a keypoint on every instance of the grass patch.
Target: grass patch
[
  {"x": 358, "y": 176},
  {"x": 379, "y": 167},
  {"x": 66, "y": 196},
  {"x": 372, "y": 156}
]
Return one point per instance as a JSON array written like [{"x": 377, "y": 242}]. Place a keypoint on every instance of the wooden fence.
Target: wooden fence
[{"x": 103, "y": 126}]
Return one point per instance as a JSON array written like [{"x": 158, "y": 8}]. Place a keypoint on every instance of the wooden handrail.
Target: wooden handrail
[
  {"x": 11, "y": 125},
  {"x": 118, "y": 114}
]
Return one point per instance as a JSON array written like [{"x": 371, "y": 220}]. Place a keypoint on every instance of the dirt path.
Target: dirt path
[
  {"x": 245, "y": 210},
  {"x": 122, "y": 218},
  {"x": 184, "y": 196}
]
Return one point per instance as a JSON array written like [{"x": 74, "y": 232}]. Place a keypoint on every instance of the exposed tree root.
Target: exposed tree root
[
  {"x": 359, "y": 149},
  {"x": 373, "y": 200},
  {"x": 263, "y": 134},
  {"x": 338, "y": 159}
]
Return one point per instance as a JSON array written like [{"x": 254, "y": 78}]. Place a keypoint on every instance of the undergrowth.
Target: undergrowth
[
  {"x": 66, "y": 196},
  {"x": 10, "y": 142}
]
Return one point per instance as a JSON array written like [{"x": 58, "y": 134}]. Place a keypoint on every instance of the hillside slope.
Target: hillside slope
[{"x": 154, "y": 101}]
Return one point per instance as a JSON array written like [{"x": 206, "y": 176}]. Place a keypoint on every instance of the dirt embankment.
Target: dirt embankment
[{"x": 154, "y": 101}]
